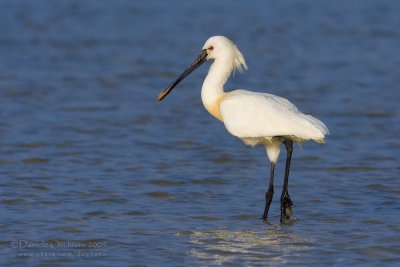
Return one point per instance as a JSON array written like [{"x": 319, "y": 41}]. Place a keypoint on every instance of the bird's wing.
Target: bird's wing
[{"x": 250, "y": 114}]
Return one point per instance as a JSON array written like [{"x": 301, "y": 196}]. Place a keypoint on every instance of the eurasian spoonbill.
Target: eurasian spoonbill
[{"x": 255, "y": 118}]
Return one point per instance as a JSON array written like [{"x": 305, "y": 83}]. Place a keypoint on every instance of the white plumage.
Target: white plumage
[
  {"x": 267, "y": 116},
  {"x": 256, "y": 118}
]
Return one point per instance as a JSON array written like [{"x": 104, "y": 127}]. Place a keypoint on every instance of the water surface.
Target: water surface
[{"x": 95, "y": 171}]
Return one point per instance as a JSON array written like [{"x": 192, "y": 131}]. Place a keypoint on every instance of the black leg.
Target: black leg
[
  {"x": 286, "y": 202},
  {"x": 270, "y": 193}
]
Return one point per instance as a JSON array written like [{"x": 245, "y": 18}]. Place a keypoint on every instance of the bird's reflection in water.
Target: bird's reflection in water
[{"x": 276, "y": 244}]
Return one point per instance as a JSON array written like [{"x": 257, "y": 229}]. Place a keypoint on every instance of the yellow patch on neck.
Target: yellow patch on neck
[{"x": 214, "y": 108}]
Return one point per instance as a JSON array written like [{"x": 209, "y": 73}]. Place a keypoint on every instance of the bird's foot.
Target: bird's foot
[{"x": 286, "y": 208}]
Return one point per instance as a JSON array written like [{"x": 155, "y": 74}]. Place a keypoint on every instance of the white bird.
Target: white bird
[{"x": 255, "y": 118}]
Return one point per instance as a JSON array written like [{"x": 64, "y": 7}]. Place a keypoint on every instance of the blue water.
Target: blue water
[{"x": 94, "y": 171}]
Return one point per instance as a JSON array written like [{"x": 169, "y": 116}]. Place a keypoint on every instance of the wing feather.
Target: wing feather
[{"x": 253, "y": 115}]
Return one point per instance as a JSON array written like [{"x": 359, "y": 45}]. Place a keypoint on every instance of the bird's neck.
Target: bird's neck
[{"x": 212, "y": 91}]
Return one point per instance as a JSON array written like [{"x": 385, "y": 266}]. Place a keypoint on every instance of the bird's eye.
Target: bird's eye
[{"x": 210, "y": 47}]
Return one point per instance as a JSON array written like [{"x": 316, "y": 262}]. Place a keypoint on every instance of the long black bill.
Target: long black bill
[{"x": 199, "y": 60}]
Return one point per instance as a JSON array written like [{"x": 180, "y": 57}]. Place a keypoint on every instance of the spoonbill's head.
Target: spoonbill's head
[
  {"x": 221, "y": 48},
  {"x": 218, "y": 48}
]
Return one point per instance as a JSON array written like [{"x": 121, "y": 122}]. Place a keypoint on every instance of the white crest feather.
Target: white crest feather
[{"x": 238, "y": 63}]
